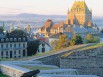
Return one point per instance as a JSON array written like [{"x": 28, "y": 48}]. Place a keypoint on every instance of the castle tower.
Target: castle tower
[
  {"x": 11, "y": 28},
  {"x": 79, "y": 11}
]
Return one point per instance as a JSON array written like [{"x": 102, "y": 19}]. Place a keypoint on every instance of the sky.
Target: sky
[{"x": 47, "y": 7}]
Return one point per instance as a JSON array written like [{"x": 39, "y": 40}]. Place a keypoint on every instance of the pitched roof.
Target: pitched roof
[
  {"x": 81, "y": 6},
  {"x": 61, "y": 24},
  {"x": 48, "y": 23},
  {"x": 57, "y": 35},
  {"x": 80, "y": 30}
]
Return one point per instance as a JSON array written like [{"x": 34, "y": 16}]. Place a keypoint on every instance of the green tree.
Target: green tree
[
  {"x": 33, "y": 47},
  {"x": 76, "y": 40},
  {"x": 91, "y": 39},
  {"x": 63, "y": 41},
  {"x": 19, "y": 33}
]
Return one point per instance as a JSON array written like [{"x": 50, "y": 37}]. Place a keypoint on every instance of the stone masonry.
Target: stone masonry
[{"x": 86, "y": 61}]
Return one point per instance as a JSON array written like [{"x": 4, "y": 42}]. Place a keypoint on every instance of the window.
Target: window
[
  {"x": 1, "y": 53},
  {"x": 43, "y": 45},
  {"x": 23, "y": 52},
  {"x": 7, "y": 39},
  {"x": 43, "y": 50},
  {"x": 19, "y": 45},
  {"x": 11, "y": 45},
  {"x": 15, "y": 39},
  {"x": 11, "y": 39},
  {"x": 15, "y": 45},
  {"x": 14, "y": 52},
  {"x": 23, "y": 45},
  {"x": 1, "y": 45},
  {"x": 23, "y": 39},
  {"x": 10, "y": 54},
  {"x": 6, "y": 45},
  {"x": 19, "y": 51},
  {"x": 2, "y": 40},
  {"x": 6, "y": 53},
  {"x": 19, "y": 39}
]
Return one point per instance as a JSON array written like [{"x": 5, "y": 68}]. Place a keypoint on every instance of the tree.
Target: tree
[
  {"x": 54, "y": 43},
  {"x": 91, "y": 39},
  {"x": 19, "y": 33},
  {"x": 76, "y": 40},
  {"x": 72, "y": 42},
  {"x": 63, "y": 41},
  {"x": 33, "y": 47}
]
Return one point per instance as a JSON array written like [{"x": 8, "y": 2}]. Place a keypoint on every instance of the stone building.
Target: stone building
[
  {"x": 28, "y": 28},
  {"x": 45, "y": 30},
  {"x": 13, "y": 45},
  {"x": 86, "y": 61},
  {"x": 79, "y": 18},
  {"x": 79, "y": 14},
  {"x": 50, "y": 28},
  {"x": 58, "y": 28}
]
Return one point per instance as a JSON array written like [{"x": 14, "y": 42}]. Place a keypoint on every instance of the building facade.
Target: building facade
[
  {"x": 44, "y": 47},
  {"x": 13, "y": 47},
  {"x": 79, "y": 14}
]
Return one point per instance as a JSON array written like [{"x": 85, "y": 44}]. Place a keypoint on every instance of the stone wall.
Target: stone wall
[
  {"x": 52, "y": 59},
  {"x": 55, "y": 58},
  {"x": 11, "y": 72},
  {"x": 86, "y": 61}
]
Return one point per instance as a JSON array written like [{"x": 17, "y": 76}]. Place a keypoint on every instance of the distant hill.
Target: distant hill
[
  {"x": 27, "y": 15},
  {"x": 38, "y": 15},
  {"x": 38, "y": 19}
]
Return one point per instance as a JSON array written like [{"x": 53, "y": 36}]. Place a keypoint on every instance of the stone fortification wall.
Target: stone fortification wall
[{"x": 86, "y": 61}]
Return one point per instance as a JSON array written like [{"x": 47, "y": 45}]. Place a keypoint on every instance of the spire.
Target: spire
[{"x": 11, "y": 28}]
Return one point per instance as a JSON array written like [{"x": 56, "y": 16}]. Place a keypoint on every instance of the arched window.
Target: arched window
[
  {"x": 19, "y": 39},
  {"x": 11, "y": 39},
  {"x": 23, "y": 39},
  {"x": 2, "y": 40},
  {"x": 7, "y": 39}
]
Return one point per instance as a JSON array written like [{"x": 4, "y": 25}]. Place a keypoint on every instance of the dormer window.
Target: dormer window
[
  {"x": 11, "y": 39},
  {"x": 2, "y": 40},
  {"x": 24, "y": 39},
  {"x": 7, "y": 39},
  {"x": 15, "y": 39},
  {"x": 19, "y": 39}
]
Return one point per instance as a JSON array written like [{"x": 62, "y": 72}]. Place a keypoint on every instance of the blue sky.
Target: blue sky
[{"x": 49, "y": 7}]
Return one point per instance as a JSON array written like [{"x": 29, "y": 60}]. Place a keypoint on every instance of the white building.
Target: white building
[
  {"x": 44, "y": 47},
  {"x": 13, "y": 47}
]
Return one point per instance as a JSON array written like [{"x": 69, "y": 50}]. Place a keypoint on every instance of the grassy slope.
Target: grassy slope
[
  {"x": 37, "y": 67},
  {"x": 85, "y": 48},
  {"x": 1, "y": 75}
]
